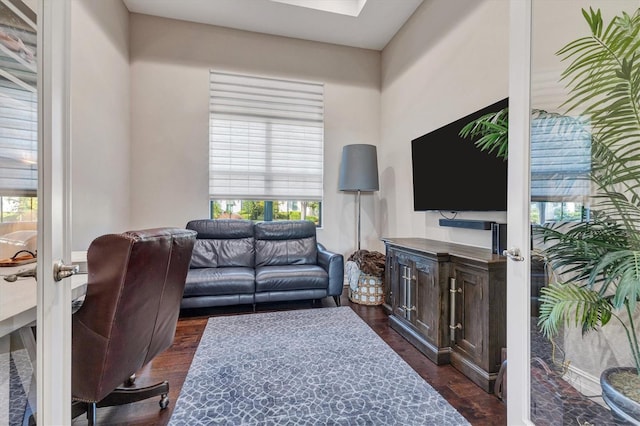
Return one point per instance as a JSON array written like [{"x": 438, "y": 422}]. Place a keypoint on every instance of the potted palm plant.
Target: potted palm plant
[
  {"x": 598, "y": 261},
  {"x": 600, "y": 258}
]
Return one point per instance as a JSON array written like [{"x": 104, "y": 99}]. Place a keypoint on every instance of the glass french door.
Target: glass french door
[
  {"x": 518, "y": 231},
  {"x": 35, "y": 308},
  {"x": 551, "y": 381},
  {"x": 54, "y": 219}
]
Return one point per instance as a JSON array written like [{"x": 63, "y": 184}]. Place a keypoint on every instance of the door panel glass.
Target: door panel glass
[
  {"x": 18, "y": 210},
  {"x": 584, "y": 100}
]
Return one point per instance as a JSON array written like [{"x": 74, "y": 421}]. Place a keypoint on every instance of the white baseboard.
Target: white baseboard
[{"x": 585, "y": 383}]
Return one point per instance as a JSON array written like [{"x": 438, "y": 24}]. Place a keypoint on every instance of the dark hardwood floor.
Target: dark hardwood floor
[{"x": 478, "y": 407}]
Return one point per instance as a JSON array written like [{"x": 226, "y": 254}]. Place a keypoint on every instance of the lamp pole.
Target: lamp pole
[{"x": 359, "y": 220}]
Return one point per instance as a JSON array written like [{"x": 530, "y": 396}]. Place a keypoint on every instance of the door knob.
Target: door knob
[
  {"x": 514, "y": 254},
  {"x": 62, "y": 271}
]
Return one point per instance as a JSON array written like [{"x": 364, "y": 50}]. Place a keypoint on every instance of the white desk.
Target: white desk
[{"x": 18, "y": 299}]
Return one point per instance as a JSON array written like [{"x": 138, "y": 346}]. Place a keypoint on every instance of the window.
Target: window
[
  {"x": 550, "y": 211},
  {"x": 266, "y": 142},
  {"x": 266, "y": 210},
  {"x": 18, "y": 117},
  {"x": 560, "y": 168}
]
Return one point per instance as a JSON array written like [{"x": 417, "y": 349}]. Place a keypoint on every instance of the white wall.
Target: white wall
[
  {"x": 170, "y": 63},
  {"x": 100, "y": 119},
  {"x": 449, "y": 60}
]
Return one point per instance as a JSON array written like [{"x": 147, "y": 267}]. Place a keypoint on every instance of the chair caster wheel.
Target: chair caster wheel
[{"x": 164, "y": 401}]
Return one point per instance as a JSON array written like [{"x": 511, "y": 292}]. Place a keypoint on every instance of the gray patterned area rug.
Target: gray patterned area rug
[{"x": 307, "y": 367}]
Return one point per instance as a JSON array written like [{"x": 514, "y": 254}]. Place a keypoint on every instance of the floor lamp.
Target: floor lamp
[{"x": 359, "y": 172}]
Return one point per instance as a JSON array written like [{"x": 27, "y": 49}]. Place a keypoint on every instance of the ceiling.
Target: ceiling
[{"x": 329, "y": 21}]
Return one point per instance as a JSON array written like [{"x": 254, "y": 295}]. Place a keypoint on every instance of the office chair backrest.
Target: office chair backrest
[{"x": 134, "y": 288}]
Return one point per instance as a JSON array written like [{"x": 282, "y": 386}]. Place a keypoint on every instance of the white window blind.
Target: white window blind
[
  {"x": 560, "y": 144},
  {"x": 560, "y": 159},
  {"x": 18, "y": 109},
  {"x": 266, "y": 138}
]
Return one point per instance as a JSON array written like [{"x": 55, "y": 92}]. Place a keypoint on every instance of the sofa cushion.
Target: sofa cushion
[
  {"x": 285, "y": 243},
  {"x": 221, "y": 228},
  {"x": 290, "y": 277},
  {"x": 219, "y": 281},
  {"x": 223, "y": 253},
  {"x": 222, "y": 243}
]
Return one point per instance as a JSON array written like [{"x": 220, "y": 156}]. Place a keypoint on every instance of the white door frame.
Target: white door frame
[
  {"x": 54, "y": 134},
  {"x": 518, "y": 235}
]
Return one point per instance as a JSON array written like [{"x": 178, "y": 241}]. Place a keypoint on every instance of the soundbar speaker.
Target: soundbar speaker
[{"x": 469, "y": 224}]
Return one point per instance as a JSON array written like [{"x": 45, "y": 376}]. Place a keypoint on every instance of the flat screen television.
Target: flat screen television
[{"x": 451, "y": 174}]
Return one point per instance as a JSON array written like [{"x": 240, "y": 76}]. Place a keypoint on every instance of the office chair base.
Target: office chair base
[{"x": 123, "y": 395}]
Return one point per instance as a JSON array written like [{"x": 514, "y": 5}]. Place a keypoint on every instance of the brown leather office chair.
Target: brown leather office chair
[{"x": 129, "y": 315}]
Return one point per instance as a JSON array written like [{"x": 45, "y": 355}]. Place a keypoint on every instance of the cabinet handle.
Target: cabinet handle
[
  {"x": 453, "y": 329},
  {"x": 452, "y": 309},
  {"x": 409, "y": 309}
]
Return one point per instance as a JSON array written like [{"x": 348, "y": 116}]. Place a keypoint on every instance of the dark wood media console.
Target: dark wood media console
[{"x": 449, "y": 300}]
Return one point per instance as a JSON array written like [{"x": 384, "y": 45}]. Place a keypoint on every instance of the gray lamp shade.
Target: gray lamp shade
[{"x": 359, "y": 168}]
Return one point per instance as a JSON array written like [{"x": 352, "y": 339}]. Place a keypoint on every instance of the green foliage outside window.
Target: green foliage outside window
[
  {"x": 19, "y": 209},
  {"x": 255, "y": 210}
]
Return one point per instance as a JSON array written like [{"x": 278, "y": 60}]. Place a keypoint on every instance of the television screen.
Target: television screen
[{"x": 451, "y": 174}]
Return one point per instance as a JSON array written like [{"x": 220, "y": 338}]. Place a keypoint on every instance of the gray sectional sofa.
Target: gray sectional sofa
[{"x": 242, "y": 262}]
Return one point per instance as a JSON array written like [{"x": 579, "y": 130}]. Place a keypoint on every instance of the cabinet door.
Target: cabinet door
[
  {"x": 404, "y": 287},
  {"x": 402, "y": 270},
  {"x": 470, "y": 312},
  {"x": 426, "y": 298}
]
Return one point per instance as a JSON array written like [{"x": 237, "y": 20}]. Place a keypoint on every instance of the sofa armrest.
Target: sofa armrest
[{"x": 333, "y": 263}]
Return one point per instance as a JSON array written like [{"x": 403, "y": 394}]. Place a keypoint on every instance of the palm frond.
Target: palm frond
[
  {"x": 623, "y": 270},
  {"x": 569, "y": 304},
  {"x": 491, "y": 132}
]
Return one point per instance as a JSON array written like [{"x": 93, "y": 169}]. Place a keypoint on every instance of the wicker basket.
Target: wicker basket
[{"x": 370, "y": 290}]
